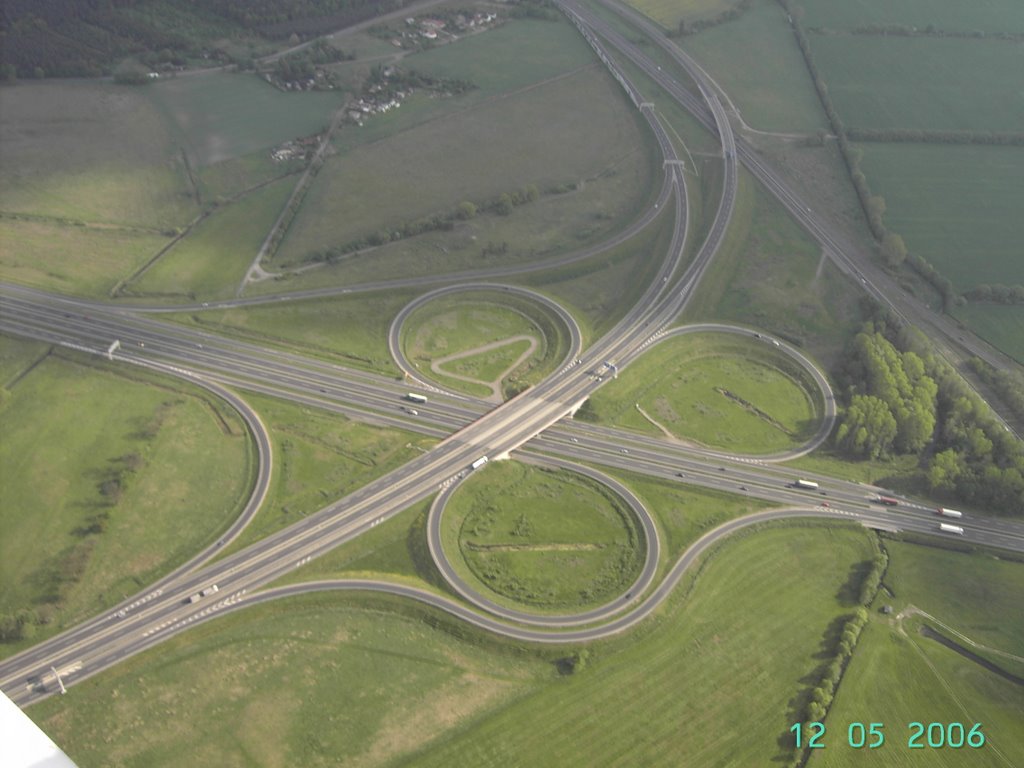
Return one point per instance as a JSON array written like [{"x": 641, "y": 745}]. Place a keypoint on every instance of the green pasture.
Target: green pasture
[
  {"x": 976, "y": 595},
  {"x": 1001, "y": 326},
  {"x": 958, "y": 206},
  {"x": 769, "y": 274},
  {"x": 313, "y": 681},
  {"x": 320, "y": 457},
  {"x": 464, "y": 323},
  {"x": 495, "y": 63},
  {"x": 717, "y": 389},
  {"x": 352, "y": 329},
  {"x": 212, "y": 259},
  {"x": 218, "y": 116},
  {"x": 945, "y": 15},
  {"x": 675, "y": 687},
  {"x": 714, "y": 677},
  {"x": 111, "y": 477},
  {"x": 938, "y": 84},
  {"x": 546, "y": 540},
  {"x": 510, "y": 58},
  {"x": 72, "y": 259},
  {"x": 755, "y": 59},
  {"x": 556, "y": 223},
  {"x": 669, "y": 13},
  {"x": 91, "y": 152},
  {"x": 533, "y": 137}
]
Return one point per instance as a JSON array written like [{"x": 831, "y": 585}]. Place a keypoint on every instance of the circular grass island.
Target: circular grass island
[
  {"x": 489, "y": 344},
  {"x": 721, "y": 390},
  {"x": 546, "y": 541}
]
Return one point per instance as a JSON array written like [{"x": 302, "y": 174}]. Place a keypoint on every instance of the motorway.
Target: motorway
[
  {"x": 162, "y": 612},
  {"x": 30, "y": 675}
]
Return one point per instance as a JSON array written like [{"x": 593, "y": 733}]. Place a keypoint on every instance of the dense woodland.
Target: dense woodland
[
  {"x": 901, "y": 398},
  {"x": 87, "y": 38}
]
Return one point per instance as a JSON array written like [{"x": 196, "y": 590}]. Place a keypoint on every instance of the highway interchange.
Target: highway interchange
[{"x": 531, "y": 424}]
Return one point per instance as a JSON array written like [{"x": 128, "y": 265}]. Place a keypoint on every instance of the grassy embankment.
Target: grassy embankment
[
  {"x": 673, "y": 689},
  {"x": 112, "y": 476}
]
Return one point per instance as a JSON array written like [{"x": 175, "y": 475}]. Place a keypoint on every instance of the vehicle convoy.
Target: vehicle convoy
[
  {"x": 412, "y": 397},
  {"x": 947, "y": 528},
  {"x": 478, "y": 463},
  {"x": 949, "y": 512},
  {"x": 807, "y": 485}
]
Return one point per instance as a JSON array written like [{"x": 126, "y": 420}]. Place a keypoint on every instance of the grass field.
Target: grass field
[
  {"x": 560, "y": 132},
  {"x": 668, "y": 13},
  {"x": 923, "y": 681},
  {"x": 220, "y": 116},
  {"x": 109, "y": 480},
  {"x": 1001, "y": 326},
  {"x": 552, "y": 541},
  {"x": 713, "y": 680},
  {"x": 716, "y": 389},
  {"x": 770, "y": 275},
  {"x": 958, "y": 206},
  {"x": 212, "y": 259},
  {"x": 90, "y": 151},
  {"x": 462, "y": 323},
  {"x": 949, "y": 15},
  {"x": 756, "y": 60},
  {"x": 674, "y": 689},
  {"x": 319, "y": 457},
  {"x": 350, "y": 329},
  {"x": 70, "y": 259},
  {"x": 943, "y": 84},
  {"x": 318, "y": 681}
]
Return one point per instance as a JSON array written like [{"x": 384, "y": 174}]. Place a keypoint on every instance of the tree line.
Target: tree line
[
  {"x": 891, "y": 245},
  {"x": 692, "y": 27},
  {"x": 917, "y": 136},
  {"x": 501, "y": 205},
  {"x": 902, "y": 398},
  {"x": 86, "y": 38}
]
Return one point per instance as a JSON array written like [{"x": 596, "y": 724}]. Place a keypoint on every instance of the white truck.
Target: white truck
[
  {"x": 950, "y": 513},
  {"x": 947, "y": 528},
  {"x": 478, "y": 463},
  {"x": 806, "y": 485}
]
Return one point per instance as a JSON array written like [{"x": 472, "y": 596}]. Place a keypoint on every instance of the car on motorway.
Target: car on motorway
[{"x": 743, "y": 487}]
